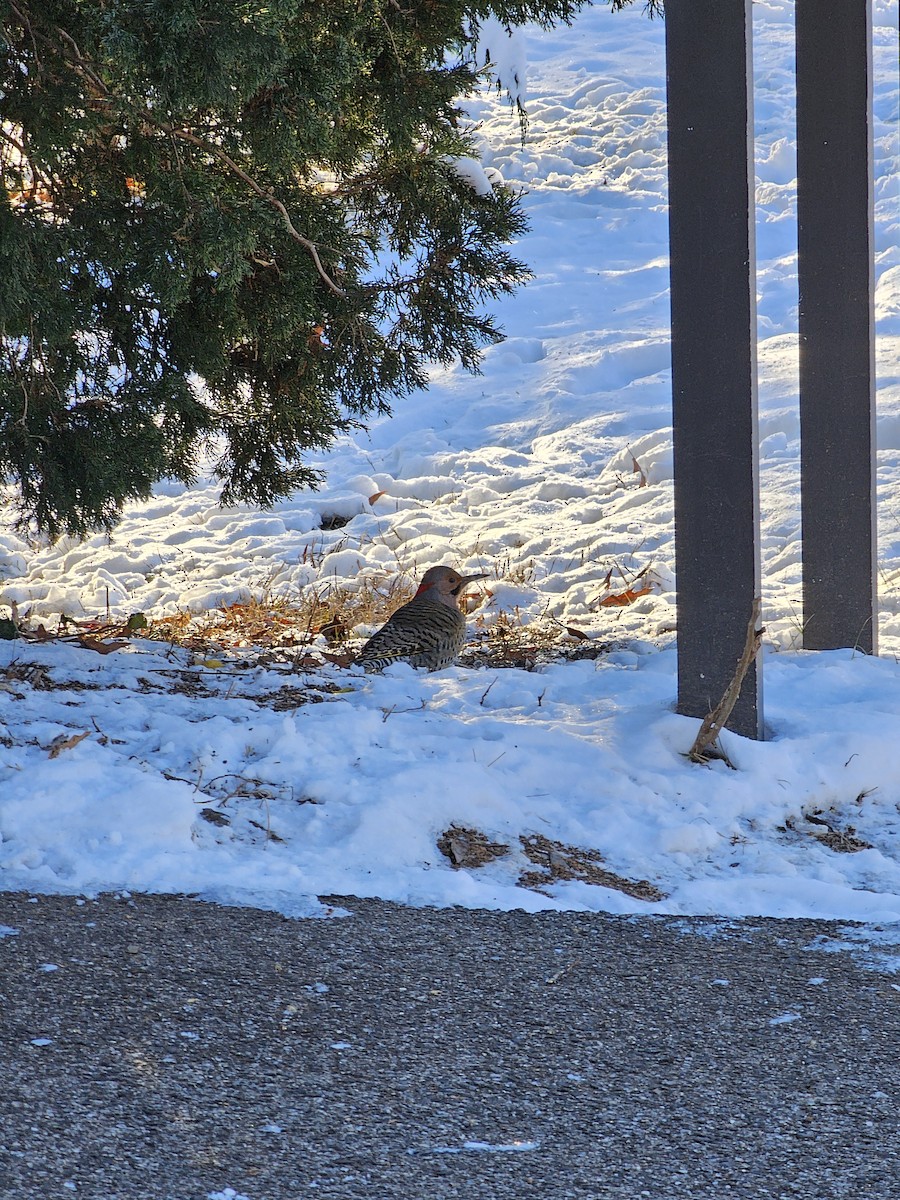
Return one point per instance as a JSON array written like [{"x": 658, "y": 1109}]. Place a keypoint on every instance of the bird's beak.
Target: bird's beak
[{"x": 466, "y": 579}]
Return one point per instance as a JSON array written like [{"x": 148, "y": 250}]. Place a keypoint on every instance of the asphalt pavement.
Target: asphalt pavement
[{"x": 160, "y": 1048}]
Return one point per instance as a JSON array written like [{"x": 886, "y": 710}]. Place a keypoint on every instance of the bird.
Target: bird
[{"x": 428, "y": 631}]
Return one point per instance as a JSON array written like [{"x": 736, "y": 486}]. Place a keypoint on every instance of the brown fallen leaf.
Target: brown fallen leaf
[
  {"x": 309, "y": 662},
  {"x": 62, "y": 742},
  {"x": 38, "y": 635},
  {"x": 621, "y": 599},
  {"x": 340, "y": 660},
  {"x": 575, "y": 632},
  {"x": 376, "y": 496},
  {"x": 333, "y": 630},
  {"x": 90, "y": 643},
  {"x": 316, "y": 342}
]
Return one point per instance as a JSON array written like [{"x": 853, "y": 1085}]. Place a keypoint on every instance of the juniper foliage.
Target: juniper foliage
[{"x": 232, "y": 227}]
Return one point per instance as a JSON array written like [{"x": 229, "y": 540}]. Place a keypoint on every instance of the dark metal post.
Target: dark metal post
[
  {"x": 711, "y": 231},
  {"x": 837, "y": 357}
]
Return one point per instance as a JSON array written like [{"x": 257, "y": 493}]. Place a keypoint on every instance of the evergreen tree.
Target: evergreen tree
[{"x": 232, "y": 224}]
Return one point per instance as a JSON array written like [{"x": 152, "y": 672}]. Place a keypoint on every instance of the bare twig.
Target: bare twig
[
  {"x": 393, "y": 709},
  {"x": 557, "y": 975},
  {"x": 262, "y": 192},
  {"x": 715, "y": 721}
]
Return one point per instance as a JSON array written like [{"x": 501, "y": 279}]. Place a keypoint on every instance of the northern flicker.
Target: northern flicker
[{"x": 429, "y": 631}]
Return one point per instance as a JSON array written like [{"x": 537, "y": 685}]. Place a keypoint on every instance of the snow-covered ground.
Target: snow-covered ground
[{"x": 551, "y": 472}]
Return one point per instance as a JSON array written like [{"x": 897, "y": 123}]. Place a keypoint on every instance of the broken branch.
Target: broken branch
[{"x": 715, "y": 721}]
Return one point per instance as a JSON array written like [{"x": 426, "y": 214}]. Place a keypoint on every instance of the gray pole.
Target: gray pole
[
  {"x": 711, "y": 232},
  {"x": 837, "y": 354}
]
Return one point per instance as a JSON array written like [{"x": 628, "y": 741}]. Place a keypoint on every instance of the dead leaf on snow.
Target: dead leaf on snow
[
  {"x": 39, "y": 634},
  {"x": 62, "y": 742},
  {"x": 92, "y": 643},
  {"x": 631, "y": 593},
  {"x": 637, "y": 469},
  {"x": 340, "y": 660},
  {"x": 622, "y": 599},
  {"x": 575, "y": 632}
]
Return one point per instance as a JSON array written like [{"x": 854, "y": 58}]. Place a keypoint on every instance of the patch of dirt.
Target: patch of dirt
[
  {"x": 469, "y": 847},
  {"x": 558, "y": 861},
  {"x": 33, "y": 674},
  {"x": 466, "y": 847},
  {"x": 531, "y": 657},
  {"x": 189, "y": 683},
  {"x": 214, "y": 817},
  {"x": 314, "y": 628},
  {"x": 37, "y": 676},
  {"x": 334, "y": 521},
  {"x": 289, "y": 697}
]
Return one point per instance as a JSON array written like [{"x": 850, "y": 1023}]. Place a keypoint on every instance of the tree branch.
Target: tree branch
[
  {"x": 268, "y": 196},
  {"x": 715, "y": 721}
]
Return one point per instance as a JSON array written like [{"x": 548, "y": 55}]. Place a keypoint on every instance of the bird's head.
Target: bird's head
[{"x": 445, "y": 584}]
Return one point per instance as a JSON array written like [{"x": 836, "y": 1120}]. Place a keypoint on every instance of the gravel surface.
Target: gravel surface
[{"x": 157, "y": 1047}]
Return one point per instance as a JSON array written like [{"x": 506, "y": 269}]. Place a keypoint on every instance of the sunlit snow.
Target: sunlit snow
[{"x": 548, "y": 472}]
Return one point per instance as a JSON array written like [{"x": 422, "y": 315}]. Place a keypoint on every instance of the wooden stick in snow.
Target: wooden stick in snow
[{"x": 715, "y": 721}]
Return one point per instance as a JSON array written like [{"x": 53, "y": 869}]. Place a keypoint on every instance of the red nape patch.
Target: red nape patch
[{"x": 424, "y": 587}]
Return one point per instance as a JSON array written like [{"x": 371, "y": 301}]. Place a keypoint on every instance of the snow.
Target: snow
[
  {"x": 551, "y": 472},
  {"x": 481, "y": 1147},
  {"x": 785, "y": 1019},
  {"x": 474, "y": 174},
  {"x": 503, "y": 51}
]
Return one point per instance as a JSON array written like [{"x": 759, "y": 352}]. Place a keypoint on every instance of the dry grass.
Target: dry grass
[
  {"x": 271, "y": 621},
  {"x": 322, "y": 618},
  {"x": 508, "y": 641},
  {"x": 843, "y": 841},
  {"x": 332, "y": 612}
]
